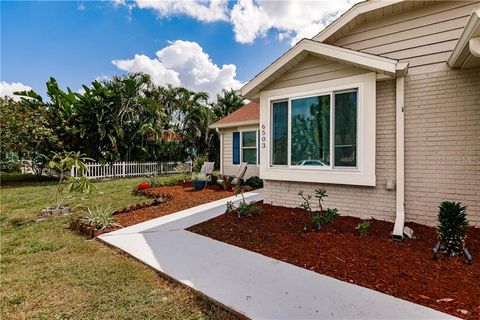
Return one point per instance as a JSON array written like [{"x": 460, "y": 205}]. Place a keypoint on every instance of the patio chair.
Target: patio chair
[
  {"x": 207, "y": 169},
  {"x": 238, "y": 177}
]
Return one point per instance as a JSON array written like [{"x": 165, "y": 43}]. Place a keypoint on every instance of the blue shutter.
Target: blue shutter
[
  {"x": 236, "y": 148},
  {"x": 258, "y": 147}
]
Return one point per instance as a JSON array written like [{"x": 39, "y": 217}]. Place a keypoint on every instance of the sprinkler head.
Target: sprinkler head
[{"x": 305, "y": 228}]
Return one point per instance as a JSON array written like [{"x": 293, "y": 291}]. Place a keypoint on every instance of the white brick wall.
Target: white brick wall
[{"x": 442, "y": 152}]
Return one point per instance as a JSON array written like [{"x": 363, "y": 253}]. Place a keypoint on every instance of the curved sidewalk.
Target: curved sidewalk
[{"x": 254, "y": 285}]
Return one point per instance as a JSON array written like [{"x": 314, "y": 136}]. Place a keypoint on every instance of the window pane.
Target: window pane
[
  {"x": 279, "y": 133},
  {"x": 249, "y": 156},
  {"x": 249, "y": 139},
  {"x": 346, "y": 129},
  {"x": 311, "y": 131}
]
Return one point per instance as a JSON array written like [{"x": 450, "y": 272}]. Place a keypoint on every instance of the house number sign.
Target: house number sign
[{"x": 264, "y": 136}]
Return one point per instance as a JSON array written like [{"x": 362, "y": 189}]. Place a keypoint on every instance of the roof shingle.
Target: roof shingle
[{"x": 249, "y": 112}]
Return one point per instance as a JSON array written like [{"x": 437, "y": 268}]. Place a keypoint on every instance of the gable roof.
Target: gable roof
[
  {"x": 363, "y": 60},
  {"x": 248, "y": 114}
]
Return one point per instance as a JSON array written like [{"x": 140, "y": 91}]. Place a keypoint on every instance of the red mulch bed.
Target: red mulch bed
[
  {"x": 182, "y": 197},
  {"x": 402, "y": 269}
]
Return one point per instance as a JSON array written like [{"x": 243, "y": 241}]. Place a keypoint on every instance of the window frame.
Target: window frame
[
  {"x": 364, "y": 172},
  {"x": 331, "y": 165},
  {"x": 251, "y": 148}
]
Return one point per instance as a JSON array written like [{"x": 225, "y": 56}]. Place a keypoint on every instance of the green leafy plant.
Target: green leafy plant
[
  {"x": 363, "y": 227},
  {"x": 66, "y": 161},
  {"x": 199, "y": 177},
  {"x": 452, "y": 227},
  {"x": 100, "y": 218},
  {"x": 322, "y": 218},
  {"x": 198, "y": 162},
  {"x": 254, "y": 182},
  {"x": 230, "y": 207},
  {"x": 320, "y": 194},
  {"x": 306, "y": 202},
  {"x": 244, "y": 209}
]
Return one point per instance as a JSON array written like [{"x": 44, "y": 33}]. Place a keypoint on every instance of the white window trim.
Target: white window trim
[
  {"x": 364, "y": 173},
  {"x": 241, "y": 145}
]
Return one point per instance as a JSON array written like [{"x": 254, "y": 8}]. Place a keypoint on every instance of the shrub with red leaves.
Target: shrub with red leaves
[{"x": 143, "y": 186}]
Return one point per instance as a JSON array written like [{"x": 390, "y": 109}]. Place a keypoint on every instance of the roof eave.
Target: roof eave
[
  {"x": 377, "y": 64},
  {"x": 468, "y": 43},
  {"x": 234, "y": 124}
]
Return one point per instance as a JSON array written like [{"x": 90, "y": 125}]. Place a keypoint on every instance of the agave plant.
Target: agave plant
[{"x": 452, "y": 228}]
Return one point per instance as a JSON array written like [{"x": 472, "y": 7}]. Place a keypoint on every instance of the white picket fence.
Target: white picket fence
[{"x": 132, "y": 169}]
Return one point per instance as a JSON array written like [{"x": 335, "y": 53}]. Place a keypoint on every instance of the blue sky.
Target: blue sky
[{"x": 77, "y": 41}]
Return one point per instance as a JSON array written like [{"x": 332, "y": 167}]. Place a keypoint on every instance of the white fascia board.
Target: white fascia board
[
  {"x": 351, "y": 14},
  {"x": 234, "y": 124},
  {"x": 367, "y": 61},
  {"x": 462, "y": 49}
]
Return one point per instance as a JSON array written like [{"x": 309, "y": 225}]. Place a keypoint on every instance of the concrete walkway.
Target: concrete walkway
[{"x": 252, "y": 284}]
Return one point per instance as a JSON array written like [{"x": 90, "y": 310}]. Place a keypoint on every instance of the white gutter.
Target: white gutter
[
  {"x": 474, "y": 46},
  {"x": 465, "y": 46},
  {"x": 400, "y": 160}
]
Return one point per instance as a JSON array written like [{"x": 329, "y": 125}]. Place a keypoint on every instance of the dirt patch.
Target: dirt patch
[
  {"x": 402, "y": 269},
  {"x": 180, "y": 197}
]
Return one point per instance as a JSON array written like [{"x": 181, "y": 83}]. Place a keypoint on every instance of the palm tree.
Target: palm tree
[{"x": 227, "y": 102}]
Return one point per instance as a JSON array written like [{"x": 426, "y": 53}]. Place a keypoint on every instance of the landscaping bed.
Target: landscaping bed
[
  {"x": 180, "y": 197},
  {"x": 402, "y": 269}
]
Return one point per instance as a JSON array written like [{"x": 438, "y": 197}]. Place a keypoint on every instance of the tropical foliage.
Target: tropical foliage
[
  {"x": 452, "y": 227},
  {"x": 126, "y": 118}
]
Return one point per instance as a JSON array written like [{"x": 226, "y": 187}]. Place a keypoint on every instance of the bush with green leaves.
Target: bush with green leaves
[
  {"x": 199, "y": 177},
  {"x": 363, "y": 227},
  {"x": 254, "y": 182},
  {"x": 452, "y": 227},
  {"x": 243, "y": 209},
  {"x": 100, "y": 218},
  {"x": 321, "y": 218},
  {"x": 320, "y": 194},
  {"x": 198, "y": 163}
]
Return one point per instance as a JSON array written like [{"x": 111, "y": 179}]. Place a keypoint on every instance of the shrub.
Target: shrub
[
  {"x": 320, "y": 194},
  {"x": 247, "y": 209},
  {"x": 99, "y": 218},
  {"x": 363, "y": 227},
  {"x": 154, "y": 181},
  {"x": 305, "y": 205},
  {"x": 452, "y": 227},
  {"x": 198, "y": 162},
  {"x": 254, "y": 182},
  {"x": 321, "y": 218}
]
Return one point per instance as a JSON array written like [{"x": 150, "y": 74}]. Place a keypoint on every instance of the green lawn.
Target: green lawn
[{"x": 47, "y": 272}]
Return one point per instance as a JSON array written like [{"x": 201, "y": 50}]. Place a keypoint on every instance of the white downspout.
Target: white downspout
[{"x": 400, "y": 160}]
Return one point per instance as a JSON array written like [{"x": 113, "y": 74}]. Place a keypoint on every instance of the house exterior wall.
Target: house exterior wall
[
  {"x": 228, "y": 168},
  {"x": 423, "y": 37},
  {"x": 442, "y": 120},
  {"x": 358, "y": 201}
]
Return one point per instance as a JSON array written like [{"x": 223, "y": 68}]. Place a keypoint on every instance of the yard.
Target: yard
[
  {"x": 48, "y": 272},
  {"x": 402, "y": 269}
]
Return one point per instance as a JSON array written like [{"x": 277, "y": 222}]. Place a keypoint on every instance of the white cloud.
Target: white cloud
[
  {"x": 215, "y": 10},
  {"x": 292, "y": 19},
  {"x": 7, "y": 89},
  {"x": 184, "y": 63}
]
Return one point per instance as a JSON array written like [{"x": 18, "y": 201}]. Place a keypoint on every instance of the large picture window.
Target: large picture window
[{"x": 316, "y": 131}]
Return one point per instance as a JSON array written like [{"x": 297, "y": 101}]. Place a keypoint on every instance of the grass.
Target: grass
[{"x": 48, "y": 272}]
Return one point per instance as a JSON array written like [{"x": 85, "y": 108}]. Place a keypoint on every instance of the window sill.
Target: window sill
[{"x": 330, "y": 176}]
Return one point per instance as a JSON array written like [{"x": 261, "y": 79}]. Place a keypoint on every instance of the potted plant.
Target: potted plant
[{"x": 199, "y": 181}]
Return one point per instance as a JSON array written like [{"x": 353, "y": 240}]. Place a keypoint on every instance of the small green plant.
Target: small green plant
[
  {"x": 199, "y": 177},
  {"x": 254, "y": 182},
  {"x": 321, "y": 218},
  {"x": 230, "y": 207},
  {"x": 154, "y": 181},
  {"x": 363, "y": 227},
  {"x": 198, "y": 162},
  {"x": 100, "y": 218},
  {"x": 66, "y": 161},
  {"x": 247, "y": 209},
  {"x": 305, "y": 205},
  {"x": 452, "y": 227},
  {"x": 320, "y": 194}
]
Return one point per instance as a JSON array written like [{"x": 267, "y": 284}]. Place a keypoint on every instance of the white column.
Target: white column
[{"x": 400, "y": 164}]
